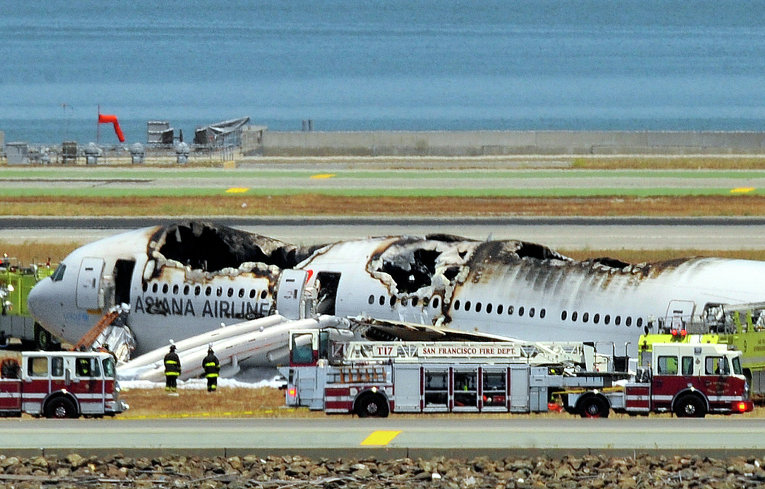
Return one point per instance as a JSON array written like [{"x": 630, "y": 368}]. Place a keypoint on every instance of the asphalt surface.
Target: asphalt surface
[
  {"x": 559, "y": 233},
  {"x": 391, "y": 437}
]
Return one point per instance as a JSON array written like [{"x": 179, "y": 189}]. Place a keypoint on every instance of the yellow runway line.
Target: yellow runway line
[
  {"x": 378, "y": 438},
  {"x": 237, "y": 190},
  {"x": 322, "y": 175},
  {"x": 742, "y": 190}
]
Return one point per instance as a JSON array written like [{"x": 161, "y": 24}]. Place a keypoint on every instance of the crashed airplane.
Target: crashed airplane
[{"x": 186, "y": 279}]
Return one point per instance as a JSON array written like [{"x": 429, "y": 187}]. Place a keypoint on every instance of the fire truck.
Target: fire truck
[
  {"x": 58, "y": 384},
  {"x": 376, "y": 378}
]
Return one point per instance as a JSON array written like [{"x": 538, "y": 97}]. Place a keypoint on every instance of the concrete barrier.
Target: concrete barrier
[{"x": 484, "y": 143}]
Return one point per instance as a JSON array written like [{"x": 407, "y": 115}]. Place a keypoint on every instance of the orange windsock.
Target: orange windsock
[{"x": 106, "y": 119}]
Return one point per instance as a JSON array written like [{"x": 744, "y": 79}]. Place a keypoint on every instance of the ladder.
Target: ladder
[
  {"x": 534, "y": 353},
  {"x": 89, "y": 337}
]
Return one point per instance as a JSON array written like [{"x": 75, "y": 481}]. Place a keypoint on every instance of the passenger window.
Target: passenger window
[
  {"x": 230, "y": 292},
  {"x": 628, "y": 321},
  {"x": 175, "y": 289},
  {"x": 241, "y": 292},
  {"x": 154, "y": 287},
  {"x": 145, "y": 286},
  {"x": 520, "y": 311},
  {"x": 478, "y": 307},
  {"x": 165, "y": 288},
  {"x": 197, "y": 290},
  {"x": 618, "y": 320},
  {"x": 488, "y": 308},
  {"x": 596, "y": 318},
  {"x": 219, "y": 291},
  {"x": 186, "y": 290},
  {"x": 381, "y": 301},
  {"x": 57, "y": 366},
  {"x": 436, "y": 303},
  {"x": 510, "y": 310},
  {"x": 574, "y": 315},
  {"x": 531, "y": 312},
  {"x": 415, "y": 301},
  {"x": 607, "y": 319},
  {"x": 37, "y": 367},
  {"x": 254, "y": 292},
  {"x": 392, "y": 300},
  {"x": 404, "y": 301},
  {"x": 687, "y": 365},
  {"x": 467, "y": 305},
  {"x": 585, "y": 317},
  {"x": 639, "y": 322},
  {"x": 499, "y": 309},
  {"x": 563, "y": 315},
  {"x": 263, "y": 294},
  {"x": 716, "y": 366},
  {"x": 457, "y": 305},
  {"x": 208, "y": 290},
  {"x": 542, "y": 313},
  {"x": 667, "y": 365}
]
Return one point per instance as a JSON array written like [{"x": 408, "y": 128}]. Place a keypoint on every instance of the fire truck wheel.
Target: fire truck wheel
[
  {"x": 690, "y": 406},
  {"x": 60, "y": 407},
  {"x": 593, "y": 406},
  {"x": 373, "y": 405}
]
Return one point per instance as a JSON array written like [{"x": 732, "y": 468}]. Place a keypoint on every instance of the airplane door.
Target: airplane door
[
  {"x": 88, "y": 283},
  {"x": 289, "y": 295}
]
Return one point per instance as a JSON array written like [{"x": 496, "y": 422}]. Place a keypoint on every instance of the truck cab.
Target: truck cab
[
  {"x": 58, "y": 384},
  {"x": 690, "y": 380}
]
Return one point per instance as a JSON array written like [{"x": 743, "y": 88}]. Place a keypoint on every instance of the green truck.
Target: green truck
[{"x": 17, "y": 327}]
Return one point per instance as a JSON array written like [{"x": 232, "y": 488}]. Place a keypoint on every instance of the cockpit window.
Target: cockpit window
[{"x": 58, "y": 275}]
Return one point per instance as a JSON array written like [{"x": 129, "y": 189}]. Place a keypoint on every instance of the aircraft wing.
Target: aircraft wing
[{"x": 386, "y": 330}]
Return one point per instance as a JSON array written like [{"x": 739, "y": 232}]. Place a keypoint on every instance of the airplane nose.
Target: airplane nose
[{"x": 40, "y": 302}]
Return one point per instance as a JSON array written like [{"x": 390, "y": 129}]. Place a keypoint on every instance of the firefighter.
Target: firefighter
[
  {"x": 172, "y": 370},
  {"x": 212, "y": 367}
]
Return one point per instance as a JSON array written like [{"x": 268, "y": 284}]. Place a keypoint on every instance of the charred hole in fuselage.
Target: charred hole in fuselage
[
  {"x": 412, "y": 274},
  {"x": 611, "y": 262},
  {"x": 211, "y": 247}
]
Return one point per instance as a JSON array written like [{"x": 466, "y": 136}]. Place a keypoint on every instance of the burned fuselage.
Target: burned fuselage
[
  {"x": 525, "y": 290},
  {"x": 187, "y": 278}
]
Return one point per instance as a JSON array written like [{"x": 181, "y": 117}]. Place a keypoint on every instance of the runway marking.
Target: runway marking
[
  {"x": 237, "y": 190},
  {"x": 378, "y": 438},
  {"x": 322, "y": 175},
  {"x": 742, "y": 190}
]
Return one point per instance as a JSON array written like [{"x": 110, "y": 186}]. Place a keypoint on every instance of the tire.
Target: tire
[
  {"x": 690, "y": 406},
  {"x": 60, "y": 408},
  {"x": 593, "y": 407},
  {"x": 371, "y": 405},
  {"x": 43, "y": 338}
]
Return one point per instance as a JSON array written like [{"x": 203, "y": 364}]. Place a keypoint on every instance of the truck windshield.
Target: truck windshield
[
  {"x": 108, "y": 368},
  {"x": 737, "y": 366}
]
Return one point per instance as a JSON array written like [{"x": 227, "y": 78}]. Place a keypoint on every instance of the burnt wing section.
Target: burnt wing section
[{"x": 210, "y": 247}]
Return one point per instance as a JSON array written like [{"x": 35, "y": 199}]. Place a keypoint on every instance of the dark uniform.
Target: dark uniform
[
  {"x": 212, "y": 367},
  {"x": 172, "y": 370}
]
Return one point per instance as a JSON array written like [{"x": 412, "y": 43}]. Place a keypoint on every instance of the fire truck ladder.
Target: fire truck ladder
[
  {"x": 89, "y": 337},
  {"x": 534, "y": 353}
]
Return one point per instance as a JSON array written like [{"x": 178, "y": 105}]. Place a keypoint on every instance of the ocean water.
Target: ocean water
[{"x": 380, "y": 64}]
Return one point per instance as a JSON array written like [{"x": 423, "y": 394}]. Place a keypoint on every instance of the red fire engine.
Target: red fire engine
[
  {"x": 376, "y": 378},
  {"x": 58, "y": 384}
]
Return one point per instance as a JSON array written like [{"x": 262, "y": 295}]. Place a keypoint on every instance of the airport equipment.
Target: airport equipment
[
  {"x": 58, "y": 384},
  {"x": 16, "y": 281},
  {"x": 376, "y": 378}
]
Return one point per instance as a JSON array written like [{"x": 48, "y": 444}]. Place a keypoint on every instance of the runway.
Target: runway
[
  {"x": 386, "y": 438},
  {"x": 560, "y": 233}
]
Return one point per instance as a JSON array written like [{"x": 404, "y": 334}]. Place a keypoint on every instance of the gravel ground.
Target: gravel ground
[{"x": 75, "y": 471}]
